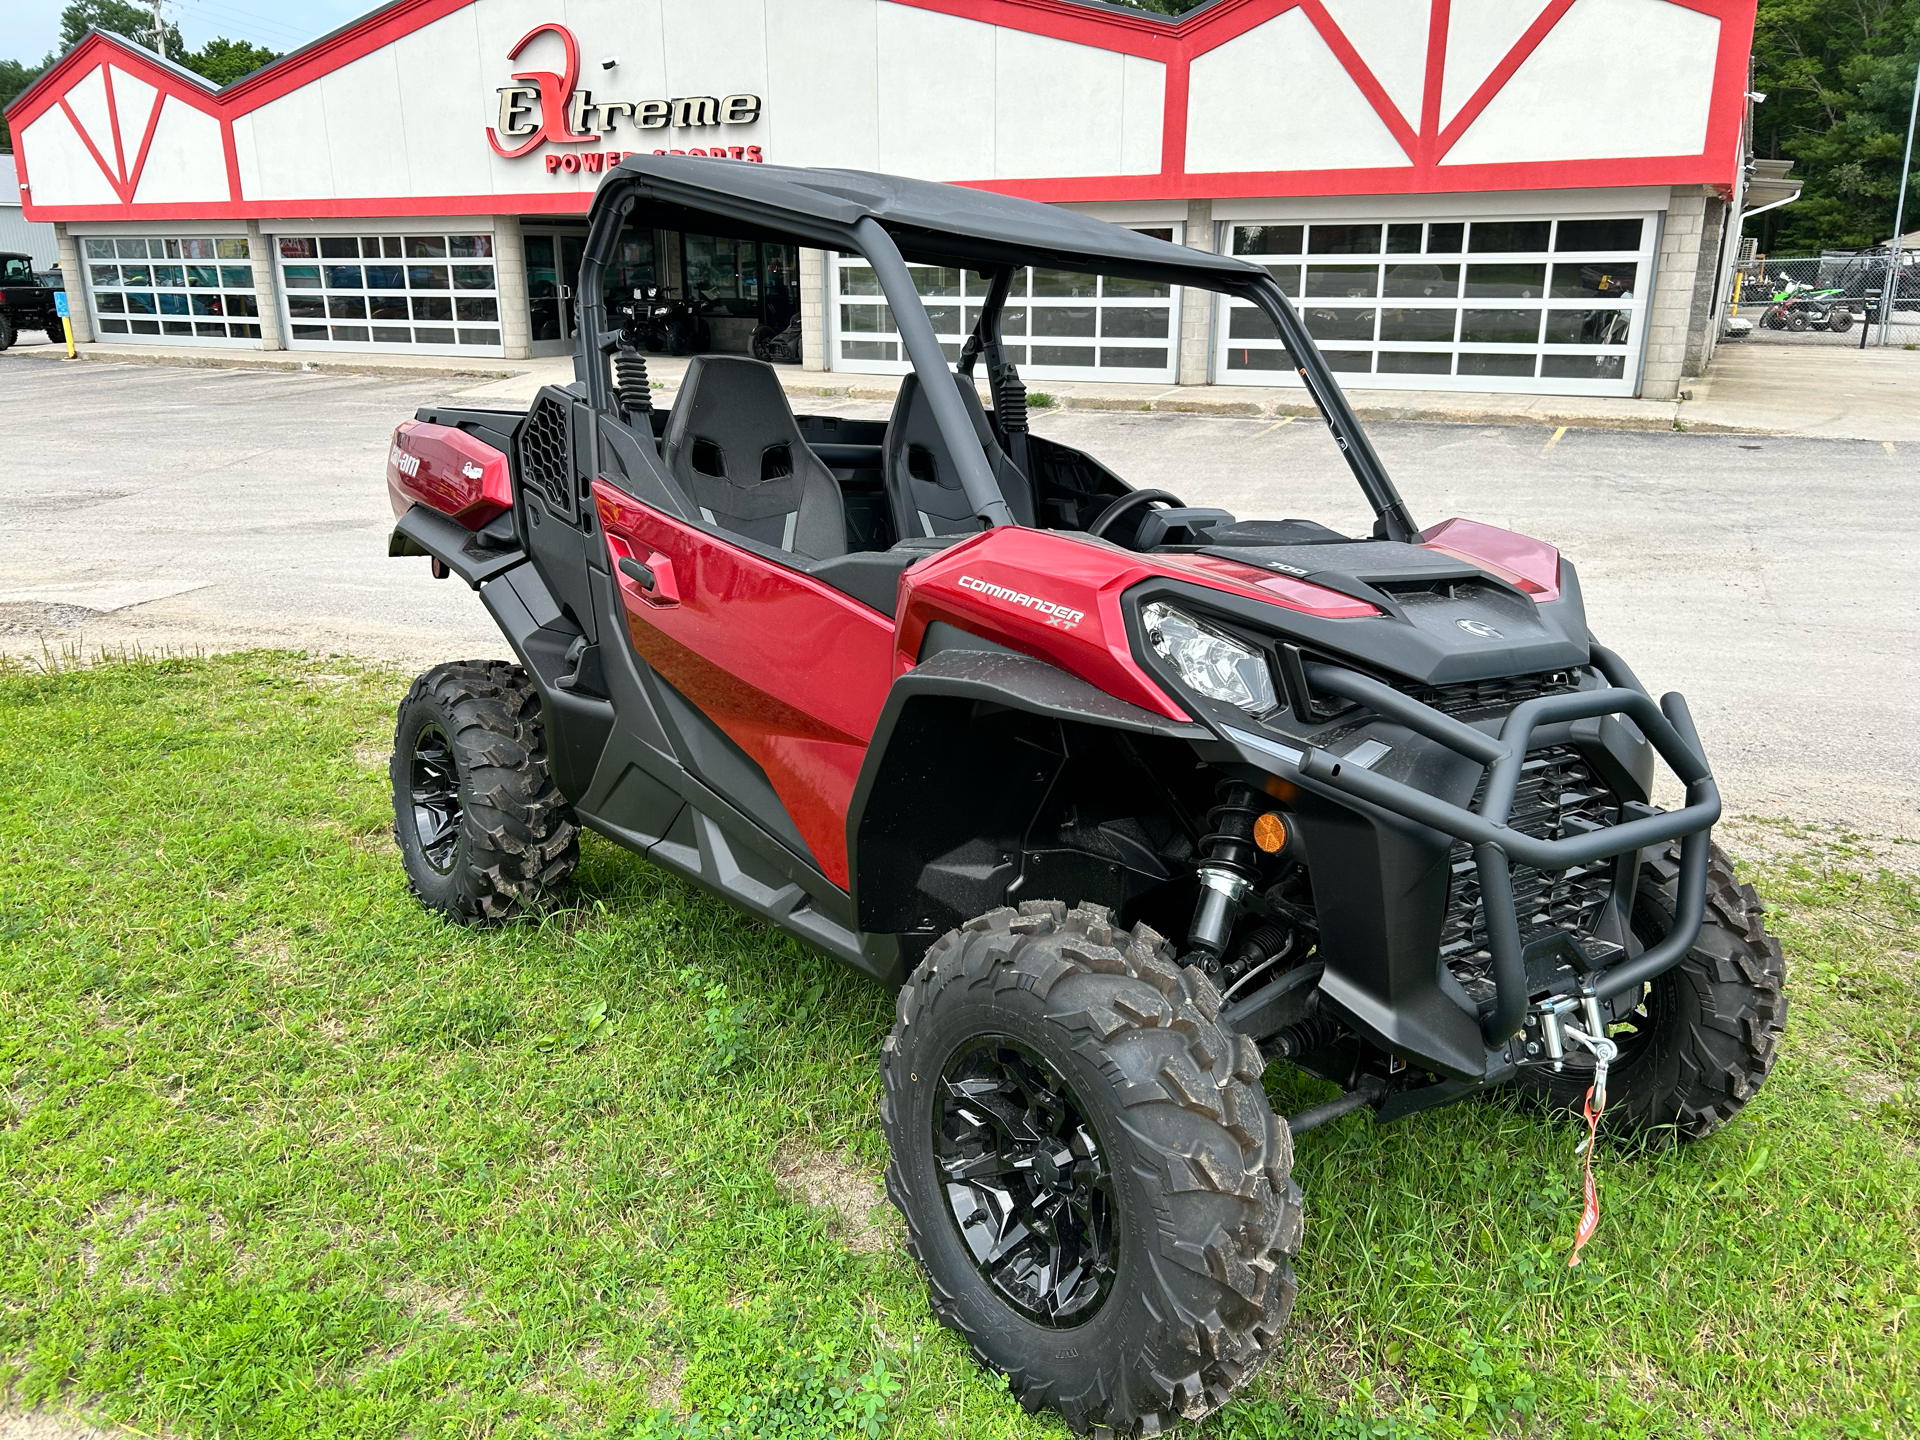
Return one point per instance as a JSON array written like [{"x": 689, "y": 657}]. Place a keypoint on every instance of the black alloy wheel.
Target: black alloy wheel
[
  {"x": 1027, "y": 1183},
  {"x": 434, "y": 789}
]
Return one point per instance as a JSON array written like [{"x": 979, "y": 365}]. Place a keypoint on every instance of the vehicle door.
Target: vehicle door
[{"x": 790, "y": 670}]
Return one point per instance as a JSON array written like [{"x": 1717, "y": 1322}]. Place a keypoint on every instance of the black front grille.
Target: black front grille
[
  {"x": 1500, "y": 694},
  {"x": 543, "y": 455},
  {"x": 1559, "y": 795}
]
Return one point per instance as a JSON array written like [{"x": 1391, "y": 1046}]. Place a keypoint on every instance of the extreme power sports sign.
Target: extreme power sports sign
[{"x": 545, "y": 108}]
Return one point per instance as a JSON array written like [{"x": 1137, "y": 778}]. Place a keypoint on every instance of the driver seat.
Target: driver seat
[
  {"x": 923, "y": 484},
  {"x": 736, "y": 451}
]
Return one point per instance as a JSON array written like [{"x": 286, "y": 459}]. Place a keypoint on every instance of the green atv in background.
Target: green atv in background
[{"x": 26, "y": 300}]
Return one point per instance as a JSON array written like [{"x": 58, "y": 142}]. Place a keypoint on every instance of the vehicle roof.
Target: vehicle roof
[{"x": 930, "y": 222}]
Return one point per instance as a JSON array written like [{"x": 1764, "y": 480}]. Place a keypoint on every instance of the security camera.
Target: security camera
[
  {"x": 1758, "y": 97},
  {"x": 609, "y": 62}
]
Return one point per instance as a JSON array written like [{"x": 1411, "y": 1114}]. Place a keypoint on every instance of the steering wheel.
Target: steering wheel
[{"x": 1131, "y": 502}]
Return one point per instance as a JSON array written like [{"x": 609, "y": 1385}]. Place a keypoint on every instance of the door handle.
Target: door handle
[
  {"x": 635, "y": 571},
  {"x": 654, "y": 579}
]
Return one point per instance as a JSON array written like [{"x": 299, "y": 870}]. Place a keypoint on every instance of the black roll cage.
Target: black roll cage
[{"x": 622, "y": 193}]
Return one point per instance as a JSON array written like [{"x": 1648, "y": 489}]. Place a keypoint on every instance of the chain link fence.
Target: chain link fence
[{"x": 1831, "y": 299}]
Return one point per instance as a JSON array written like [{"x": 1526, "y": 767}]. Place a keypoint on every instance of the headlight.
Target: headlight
[{"x": 1208, "y": 662}]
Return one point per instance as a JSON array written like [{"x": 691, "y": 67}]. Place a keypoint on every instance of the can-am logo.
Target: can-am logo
[
  {"x": 1058, "y": 616},
  {"x": 407, "y": 465},
  {"x": 548, "y": 108}
]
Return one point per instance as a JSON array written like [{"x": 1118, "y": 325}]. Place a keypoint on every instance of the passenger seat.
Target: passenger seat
[
  {"x": 923, "y": 485},
  {"x": 735, "y": 449}
]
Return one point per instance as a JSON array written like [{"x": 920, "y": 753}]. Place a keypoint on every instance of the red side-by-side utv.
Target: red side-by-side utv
[{"x": 1125, "y": 797}]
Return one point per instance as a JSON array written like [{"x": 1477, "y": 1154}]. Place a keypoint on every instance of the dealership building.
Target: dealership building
[{"x": 1533, "y": 196}]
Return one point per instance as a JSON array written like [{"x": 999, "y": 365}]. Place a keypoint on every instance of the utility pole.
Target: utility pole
[
  {"x": 1892, "y": 292},
  {"x": 159, "y": 31}
]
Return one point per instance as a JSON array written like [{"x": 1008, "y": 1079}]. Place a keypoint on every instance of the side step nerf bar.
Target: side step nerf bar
[{"x": 1668, "y": 727}]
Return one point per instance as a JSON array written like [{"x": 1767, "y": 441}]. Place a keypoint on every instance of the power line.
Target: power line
[{"x": 270, "y": 29}]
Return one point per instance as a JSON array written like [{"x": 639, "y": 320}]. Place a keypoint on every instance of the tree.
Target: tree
[
  {"x": 224, "y": 61},
  {"x": 133, "y": 21},
  {"x": 1838, "y": 76},
  {"x": 1164, "y": 7}
]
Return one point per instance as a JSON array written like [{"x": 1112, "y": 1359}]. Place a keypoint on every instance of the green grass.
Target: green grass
[{"x": 283, "y": 1155}]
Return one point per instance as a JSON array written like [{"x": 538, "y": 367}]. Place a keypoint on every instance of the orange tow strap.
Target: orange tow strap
[{"x": 1590, "y": 1215}]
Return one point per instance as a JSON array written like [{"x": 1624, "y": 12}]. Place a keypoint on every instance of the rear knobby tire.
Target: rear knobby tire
[
  {"x": 1206, "y": 1217},
  {"x": 1705, "y": 1034},
  {"x": 7, "y": 332},
  {"x": 503, "y": 834}
]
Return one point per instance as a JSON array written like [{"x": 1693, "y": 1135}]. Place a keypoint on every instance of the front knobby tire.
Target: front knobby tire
[
  {"x": 1054, "y": 1070},
  {"x": 481, "y": 826},
  {"x": 1704, "y": 1036}
]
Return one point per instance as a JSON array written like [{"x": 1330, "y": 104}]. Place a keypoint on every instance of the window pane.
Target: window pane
[
  {"x": 392, "y": 247},
  {"x": 1115, "y": 287},
  {"x": 1587, "y": 327},
  {"x": 210, "y": 331},
  {"x": 935, "y": 279},
  {"x": 343, "y": 277},
  {"x": 1013, "y": 322},
  {"x": 204, "y": 277},
  {"x": 388, "y": 307},
  {"x": 426, "y": 247},
  {"x": 477, "y": 307},
  {"x": 110, "y": 302},
  {"x": 433, "y": 307},
  {"x": 195, "y": 248},
  {"x": 1599, "y": 279},
  {"x": 1267, "y": 239},
  {"x": 242, "y": 305},
  {"x": 472, "y": 277},
  {"x": 1500, "y": 327},
  {"x": 386, "y": 277},
  {"x": 1445, "y": 239},
  {"x": 309, "y": 332},
  {"x": 1063, "y": 320},
  {"x": 1246, "y": 323},
  {"x": 176, "y": 327},
  {"x": 170, "y": 277},
  {"x": 427, "y": 277},
  {"x": 131, "y": 248},
  {"x": 307, "y": 307},
  {"x": 1154, "y": 232},
  {"x": 356, "y": 333},
  {"x": 172, "y": 248},
  {"x": 1496, "y": 236},
  {"x": 1288, "y": 279},
  {"x": 301, "y": 277},
  {"x": 141, "y": 274},
  {"x": 1403, "y": 239},
  {"x": 1249, "y": 359},
  {"x": 141, "y": 303},
  {"x": 346, "y": 307},
  {"x": 1357, "y": 361},
  {"x": 1409, "y": 324},
  {"x": 1353, "y": 281},
  {"x": 1132, "y": 358},
  {"x": 298, "y": 249},
  {"x": 1063, "y": 283},
  {"x": 144, "y": 327},
  {"x": 431, "y": 337},
  {"x": 1343, "y": 240},
  {"x": 1340, "y": 324},
  {"x": 104, "y": 274},
  {"x": 206, "y": 305},
  {"x": 1471, "y": 364},
  {"x": 945, "y": 319},
  {"x": 869, "y": 350},
  {"x": 859, "y": 280},
  {"x": 1141, "y": 322},
  {"x": 113, "y": 327},
  {"x": 1517, "y": 282},
  {"x": 1063, "y": 355},
  {"x": 1414, "y": 362},
  {"x": 479, "y": 337},
  {"x": 232, "y": 275},
  {"x": 866, "y": 319},
  {"x": 466, "y": 247},
  {"x": 339, "y": 247},
  {"x": 393, "y": 334},
  {"x": 1598, "y": 235},
  {"x": 231, "y": 247},
  {"x": 1584, "y": 367},
  {"x": 99, "y": 248},
  {"x": 172, "y": 304},
  {"x": 243, "y": 332},
  {"x": 1422, "y": 281}
]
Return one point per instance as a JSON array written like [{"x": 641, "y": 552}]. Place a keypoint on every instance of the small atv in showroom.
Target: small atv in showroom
[{"x": 1126, "y": 798}]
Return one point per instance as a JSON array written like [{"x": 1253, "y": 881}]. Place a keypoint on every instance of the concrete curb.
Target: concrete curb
[{"x": 289, "y": 361}]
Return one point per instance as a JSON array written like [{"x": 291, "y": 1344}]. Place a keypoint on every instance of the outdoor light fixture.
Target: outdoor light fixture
[
  {"x": 609, "y": 62},
  {"x": 1758, "y": 97},
  {"x": 1207, "y": 661}
]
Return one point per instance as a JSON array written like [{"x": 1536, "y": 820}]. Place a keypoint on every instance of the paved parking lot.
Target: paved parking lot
[{"x": 1775, "y": 580}]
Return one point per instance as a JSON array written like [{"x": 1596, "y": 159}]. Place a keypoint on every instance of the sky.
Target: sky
[{"x": 29, "y": 29}]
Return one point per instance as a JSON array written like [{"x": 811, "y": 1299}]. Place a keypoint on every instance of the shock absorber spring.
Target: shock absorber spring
[
  {"x": 1227, "y": 867},
  {"x": 630, "y": 382}
]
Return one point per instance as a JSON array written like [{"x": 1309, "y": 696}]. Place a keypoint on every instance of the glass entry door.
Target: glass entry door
[{"x": 553, "y": 269}]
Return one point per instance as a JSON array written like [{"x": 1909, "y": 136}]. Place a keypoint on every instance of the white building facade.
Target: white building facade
[{"x": 1520, "y": 195}]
